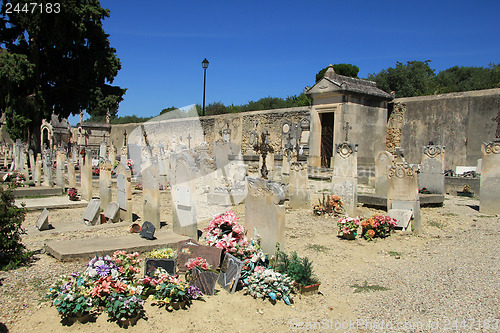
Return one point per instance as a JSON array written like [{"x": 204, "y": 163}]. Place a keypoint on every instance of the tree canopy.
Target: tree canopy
[
  {"x": 342, "y": 69},
  {"x": 56, "y": 61}
]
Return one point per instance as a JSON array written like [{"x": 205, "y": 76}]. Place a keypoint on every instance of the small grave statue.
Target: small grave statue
[{"x": 263, "y": 148}]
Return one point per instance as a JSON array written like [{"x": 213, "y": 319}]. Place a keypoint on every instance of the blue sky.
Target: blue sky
[{"x": 275, "y": 48}]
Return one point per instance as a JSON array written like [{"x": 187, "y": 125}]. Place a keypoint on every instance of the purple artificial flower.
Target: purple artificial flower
[{"x": 103, "y": 270}]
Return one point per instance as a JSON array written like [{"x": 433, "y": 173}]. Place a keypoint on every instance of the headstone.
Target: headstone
[
  {"x": 230, "y": 273},
  {"x": 298, "y": 189},
  {"x": 479, "y": 165},
  {"x": 112, "y": 212},
  {"x": 103, "y": 151},
  {"x": 151, "y": 264},
  {"x": 124, "y": 191},
  {"x": 32, "y": 164},
  {"x": 112, "y": 154},
  {"x": 163, "y": 163},
  {"x": 135, "y": 154},
  {"x": 148, "y": 230},
  {"x": 402, "y": 216},
  {"x": 183, "y": 195},
  {"x": 345, "y": 175},
  {"x": 151, "y": 194},
  {"x": 431, "y": 174},
  {"x": 42, "y": 223},
  {"x": 91, "y": 214},
  {"x": 86, "y": 175},
  {"x": 383, "y": 162},
  {"x": 402, "y": 190},
  {"x": 221, "y": 151},
  {"x": 105, "y": 183},
  {"x": 490, "y": 178},
  {"x": 189, "y": 249},
  {"x": 47, "y": 167},
  {"x": 265, "y": 213},
  {"x": 71, "y": 174},
  {"x": 60, "y": 169},
  {"x": 204, "y": 280}
]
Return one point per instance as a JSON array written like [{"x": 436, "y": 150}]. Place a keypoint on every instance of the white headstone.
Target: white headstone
[
  {"x": 42, "y": 223},
  {"x": 91, "y": 214}
]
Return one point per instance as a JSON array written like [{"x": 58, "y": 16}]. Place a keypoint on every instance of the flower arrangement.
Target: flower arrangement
[
  {"x": 267, "y": 283},
  {"x": 95, "y": 171},
  {"x": 424, "y": 190},
  {"x": 130, "y": 165},
  {"x": 122, "y": 307},
  {"x": 377, "y": 226},
  {"x": 71, "y": 296},
  {"x": 169, "y": 289},
  {"x": 331, "y": 205},
  {"x": 226, "y": 234},
  {"x": 138, "y": 186},
  {"x": 466, "y": 189},
  {"x": 199, "y": 263},
  {"x": 298, "y": 269},
  {"x": 128, "y": 263},
  {"x": 348, "y": 225},
  {"x": 73, "y": 194},
  {"x": 164, "y": 253}
]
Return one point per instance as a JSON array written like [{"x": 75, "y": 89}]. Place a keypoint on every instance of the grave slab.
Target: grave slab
[
  {"x": 88, "y": 247},
  {"x": 59, "y": 202}
]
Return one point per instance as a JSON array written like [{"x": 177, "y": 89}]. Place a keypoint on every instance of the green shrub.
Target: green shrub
[
  {"x": 12, "y": 252},
  {"x": 297, "y": 268}
]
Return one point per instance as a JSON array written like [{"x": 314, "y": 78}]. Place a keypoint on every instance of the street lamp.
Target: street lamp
[{"x": 204, "y": 64}]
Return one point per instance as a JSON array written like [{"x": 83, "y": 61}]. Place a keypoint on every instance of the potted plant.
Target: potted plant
[
  {"x": 331, "y": 205},
  {"x": 348, "y": 227},
  {"x": 299, "y": 270},
  {"x": 466, "y": 192},
  {"x": 125, "y": 309},
  {"x": 377, "y": 226},
  {"x": 170, "y": 291},
  {"x": 201, "y": 275}
]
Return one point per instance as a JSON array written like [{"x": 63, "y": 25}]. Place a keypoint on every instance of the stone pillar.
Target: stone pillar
[
  {"x": 383, "y": 162},
  {"x": 71, "y": 174},
  {"x": 47, "y": 167},
  {"x": 265, "y": 213},
  {"x": 86, "y": 176},
  {"x": 490, "y": 178},
  {"x": 298, "y": 189},
  {"x": 103, "y": 151},
  {"x": 345, "y": 175},
  {"x": 38, "y": 169},
  {"x": 32, "y": 164},
  {"x": 124, "y": 191},
  {"x": 60, "y": 169},
  {"x": 105, "y": 183},
  {"x": 151, "y": 194},
  {"x": 112, "y": 154},
  {"x": 431, "y": 174}
]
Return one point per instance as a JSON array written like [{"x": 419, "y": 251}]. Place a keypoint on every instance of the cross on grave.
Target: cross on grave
[
  {"x": 189, "y": 140},
  {"x": 288, "y": 145},
  {"x": 263, "y": 148},
  {"x": 347, "y": 128},
  {"x": 124, "y": 137},
  {"x": 400, "y": 153}
]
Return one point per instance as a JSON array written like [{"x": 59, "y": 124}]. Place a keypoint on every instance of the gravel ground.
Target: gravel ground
[{"x": 444, "y": 279}]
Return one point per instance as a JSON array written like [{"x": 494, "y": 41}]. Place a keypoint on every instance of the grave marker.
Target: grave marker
[
  {"x": 431, "y": 174},
  {"x": 151, "y": 194},
  {"x": 345, "y": 174},
  {"x": 112, "y": 211},
  {"x": 230, "y": 272},
  {"x": 42, "y": 223},
  {"x": 383, "y": 162},
  {"x": 490, "y": 178},
  {"x": 152, "y": 264},
  {"x": 191, "y": 249},
  {"x": 148, "y": 230},
  {"x": 91, "y": 214},
  {"x": 105, "y": 183},
  {"x": 298, "y": 189}
]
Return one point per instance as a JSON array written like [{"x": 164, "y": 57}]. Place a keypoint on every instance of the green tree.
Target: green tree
[
  {"x": 168, "y": 109},
  {"x": 56, "y": 61},
  {"x": 457, "y": 78},
  {"x": 342, "y": 69},
  {"x": 12, "y": 252},
  {"x": 415, "y": 78}
]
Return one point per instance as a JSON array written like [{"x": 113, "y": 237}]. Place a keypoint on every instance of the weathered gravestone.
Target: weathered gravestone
[
  {"x": 431, "y": 174},
  {"x": 148, "y": 230},
  {"x": 71, "y": 174},
  {"x": 490, "y": 178},
  {"x": 230, "y": 272},
  {"x": 112, "y": 212},
  {"x": 32, "y": 164},
  {"x": 135, "y": 154},
  {"x": 60, "y": 169},
  {"x": 91, "y": 214},
  {"x": 38, "y": 169},
  {"x": 204, "y": 280},
  {"x": 47, "y": 167},
  {"x": 402, "y": 216},
  {"x": 402, "y": 190},
  {"x": 124, "y": 191},
  {"x": 298, "y": 189},
  {"x": 105, "y": 183},
  {"x": 345, "y": 175},
  {"x": 383, "y": 162},
  {"x": 265, "y": 213},
  {"x": 151, "y": 194},
  {"x": 189, "y": 249},
  {"x": 42, "y": 223}
]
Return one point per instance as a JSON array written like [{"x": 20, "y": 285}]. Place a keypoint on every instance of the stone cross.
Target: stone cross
[
  {"x": 263, "y": 148},
  {"x": 124, "y": 137},
  {"x": 347, "y": 128},
  {"x": 189, "y": 140}
]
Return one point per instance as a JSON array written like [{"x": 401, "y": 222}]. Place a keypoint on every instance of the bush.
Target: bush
[{"x": 12, "y": 252}]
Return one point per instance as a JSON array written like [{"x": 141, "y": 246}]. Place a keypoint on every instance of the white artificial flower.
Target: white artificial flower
[
  {"x": 114, "y": 273},
  {"x": 92, "y": 272},
  {"x": 99, "y": 263}
]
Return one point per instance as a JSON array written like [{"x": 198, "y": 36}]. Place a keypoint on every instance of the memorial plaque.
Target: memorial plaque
[
  {"x": 42, "y": 223},
  {"x": 148, "y": 230},
  {"x": 152, "y": 264},
  {"x": 191, "y": 249},
  {"x": 111, "y": 212},
  {"x": 204, "y": 280},
  {"x": 402, "y": 216},
  {"x": 230, "y": 272}
]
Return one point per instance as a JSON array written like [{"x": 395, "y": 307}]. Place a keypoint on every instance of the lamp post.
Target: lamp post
[{"x": 204, "y": 64}]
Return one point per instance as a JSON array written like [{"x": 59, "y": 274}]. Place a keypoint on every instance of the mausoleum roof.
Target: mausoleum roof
[{"x": 336, "y": 82}]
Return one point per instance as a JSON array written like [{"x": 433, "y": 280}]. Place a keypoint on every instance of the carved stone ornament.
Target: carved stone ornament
[
  {"x": 298, "y": 166},
  {"x": 345, "y": 149},
  {"x": 259, "y": 187},
  {"x": 492, "y": 147},
  {"x": 400, "y": 171},
  {"x": 433, "y": 150}
]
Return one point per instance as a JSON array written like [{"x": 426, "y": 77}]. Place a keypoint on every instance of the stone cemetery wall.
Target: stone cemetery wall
[{"x": 460, "y": 121}]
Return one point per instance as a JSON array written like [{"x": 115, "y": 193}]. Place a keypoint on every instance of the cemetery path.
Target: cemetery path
[{"x": 448, "y": 273}]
